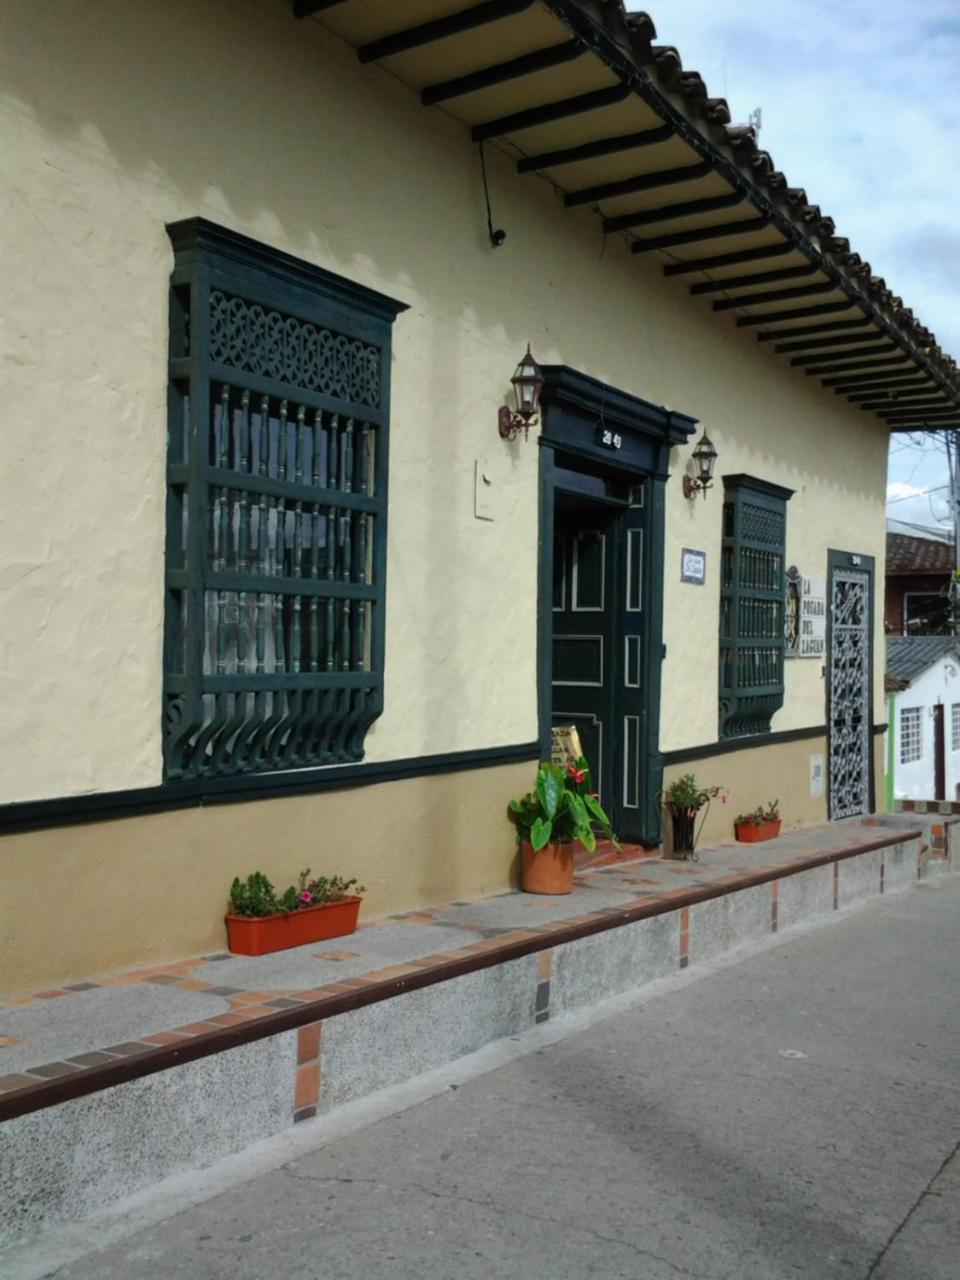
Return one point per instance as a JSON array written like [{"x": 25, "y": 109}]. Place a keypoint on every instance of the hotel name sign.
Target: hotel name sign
[{"x": 805, "y": 623}]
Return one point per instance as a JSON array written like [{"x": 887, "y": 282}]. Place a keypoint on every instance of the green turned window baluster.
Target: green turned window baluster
[
  {"x": 752, "y": 587},
  {"x": 276, "y": 514}
]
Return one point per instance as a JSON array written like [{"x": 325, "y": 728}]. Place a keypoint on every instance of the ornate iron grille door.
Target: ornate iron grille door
[{"x": 849, "y": 693}]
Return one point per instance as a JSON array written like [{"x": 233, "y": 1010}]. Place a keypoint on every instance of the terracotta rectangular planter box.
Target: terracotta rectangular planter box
[
  {"x": 259, "y": 935},
  {"x": 751, "y": 832}
]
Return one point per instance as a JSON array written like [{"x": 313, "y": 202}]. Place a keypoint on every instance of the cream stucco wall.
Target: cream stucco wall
[
  {"x": 117, "y": 118},
  {"x": 153, "y": 888}
]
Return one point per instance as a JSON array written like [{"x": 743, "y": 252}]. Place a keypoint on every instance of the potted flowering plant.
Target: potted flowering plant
[
  {"x": 685, "y": 797},
  {"x": 561, "y": 808},
  {"x": 261, "y": 920},
  {"x": 763, "y": 823}
]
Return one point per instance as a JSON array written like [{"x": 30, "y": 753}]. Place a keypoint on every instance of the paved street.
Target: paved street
[{"x": 795, "y": 1114}]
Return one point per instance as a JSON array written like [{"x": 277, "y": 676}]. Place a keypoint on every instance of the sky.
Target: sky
[{"x": 860, "y": 106}]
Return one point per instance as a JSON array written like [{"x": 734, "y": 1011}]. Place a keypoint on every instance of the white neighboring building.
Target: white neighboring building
[{"x": 923, "y": 713}]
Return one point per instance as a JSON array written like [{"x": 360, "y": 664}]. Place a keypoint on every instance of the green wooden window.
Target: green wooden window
[
  {"x": 276, "y": 509},
  {"x": 752, "y": 593}
]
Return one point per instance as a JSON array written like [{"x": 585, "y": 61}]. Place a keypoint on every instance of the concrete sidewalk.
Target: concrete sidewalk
[
  {"x": 118, "y": 1083},
  {"x": 795, "y": 1113},
  {"x": 71, "y": 1038}
]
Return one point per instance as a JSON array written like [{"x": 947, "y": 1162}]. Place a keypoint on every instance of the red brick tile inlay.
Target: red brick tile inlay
[
  {"x": 774, "y": 905},
  {"x": 684, "y": 937},
  {"x": 308, "y": 1043},
  {"x": 308, "y": 1086}
]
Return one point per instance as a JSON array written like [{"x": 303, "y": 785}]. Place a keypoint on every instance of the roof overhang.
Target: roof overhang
[{"x": 578, "y": 94}]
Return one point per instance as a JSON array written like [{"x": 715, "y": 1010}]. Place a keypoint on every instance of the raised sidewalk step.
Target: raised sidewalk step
[{"x": 112, "y": 1084}]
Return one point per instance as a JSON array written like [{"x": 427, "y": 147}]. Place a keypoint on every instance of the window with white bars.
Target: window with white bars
[
  {"x": 955, "y": 727},
  {"x": 911, "y": 742}
]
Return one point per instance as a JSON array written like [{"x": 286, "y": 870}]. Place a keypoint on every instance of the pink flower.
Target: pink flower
[
  {"x": 690, "y": 813},
  {"x": 578, "y": 775},
  {"x": 306, "y": 897}
]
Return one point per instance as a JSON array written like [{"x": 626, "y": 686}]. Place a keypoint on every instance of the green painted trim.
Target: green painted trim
[
  {"x": 316, "y": 717},
  {"x": 575, "y": 406},
  {"x": 38, "y": 815},
  {"x": 746, "y": 708},
  {"x": 545, "y": 596}
]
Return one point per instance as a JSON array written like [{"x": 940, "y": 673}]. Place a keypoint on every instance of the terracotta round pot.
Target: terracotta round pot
[{"x": 547, "y": 870}]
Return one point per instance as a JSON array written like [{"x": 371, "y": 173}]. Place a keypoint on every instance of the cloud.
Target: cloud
[
  {"x": 917, "y": 503},
  {"x": 856, "y": 110}
]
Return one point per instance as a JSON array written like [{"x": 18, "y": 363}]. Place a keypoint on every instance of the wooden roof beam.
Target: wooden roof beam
[
  {"x": 827, "y": 340},
  {"x": 549, "y": 112},
  {"x": 515, "y": 68},
  {"x": 862, "y": 381},
  {"x": 775, "y": 295},
  {"x": 761, "y": 277},
  {"x": 666, "y": 212},
  {"x": 454, "y": 24},
  {"x": 939, "y": 404},
  {"x": 701, "y": 233},
  {"x": 907, "y": 387},
  {"x": 800, "y": 313},
  {"x": 729, "y": 259},
  {"x": 832, "y": 326},
  {"x": 884, "y": 364},
  {"x": 593, "y": 150},
  {"x": 642, "y": 182},
  {"x": 891, "y": 389},
  {"x": 877, "y": 349}
]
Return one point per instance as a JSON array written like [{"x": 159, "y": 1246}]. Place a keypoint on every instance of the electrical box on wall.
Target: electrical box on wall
[{"x": 816, "y": 775}]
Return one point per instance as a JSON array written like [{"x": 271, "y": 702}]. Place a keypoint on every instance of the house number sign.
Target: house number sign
[
  {"x": 610, "y": 439},
  {"x": 693, "y": 566}
]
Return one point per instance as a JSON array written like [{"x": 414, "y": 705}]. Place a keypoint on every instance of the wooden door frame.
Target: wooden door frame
[
  {"x": 939, "y": 752},
  {"x": 599, "y": 430}
]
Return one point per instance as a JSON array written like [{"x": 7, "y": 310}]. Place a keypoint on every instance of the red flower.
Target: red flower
[{"x": 578, "y": 775}]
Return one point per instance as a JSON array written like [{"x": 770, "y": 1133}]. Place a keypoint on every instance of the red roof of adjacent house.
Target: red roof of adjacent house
[{"x": 918, "y": 555}]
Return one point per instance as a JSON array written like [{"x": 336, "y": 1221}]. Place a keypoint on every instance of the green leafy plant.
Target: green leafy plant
[
  {"x": 753, "y": 819},
  {"x": 686, "y": 796},
  {"x": 256, "y": 896},
  {"x": 758, "y": 816},
  {"x": 562, "y": 807}
]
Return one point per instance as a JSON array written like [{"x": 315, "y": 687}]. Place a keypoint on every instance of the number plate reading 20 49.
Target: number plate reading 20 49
[{"x": 610, "y": 439}]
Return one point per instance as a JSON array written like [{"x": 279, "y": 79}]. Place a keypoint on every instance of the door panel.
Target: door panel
[{"x": 581, "y": 642}]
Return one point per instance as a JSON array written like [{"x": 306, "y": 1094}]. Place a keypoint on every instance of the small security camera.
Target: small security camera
[{"x": 497, "y": 237}]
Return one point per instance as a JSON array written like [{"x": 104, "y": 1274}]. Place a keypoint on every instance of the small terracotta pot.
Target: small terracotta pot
[
  {"x": 749, "y": 832},
  {"x": 259, "y": 935},
  {"x": 546, "y": 870}
]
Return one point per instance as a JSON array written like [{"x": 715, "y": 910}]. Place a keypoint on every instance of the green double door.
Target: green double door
[{"x": 597, "y": 640}]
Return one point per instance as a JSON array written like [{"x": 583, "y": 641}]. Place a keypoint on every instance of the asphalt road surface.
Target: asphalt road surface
[{"x": 794, "y": 1114}]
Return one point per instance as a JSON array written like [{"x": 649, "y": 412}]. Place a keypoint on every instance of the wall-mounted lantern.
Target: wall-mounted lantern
[
  {"x": 527, "y": 384},
  {"x": 705, "y": 457}
]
